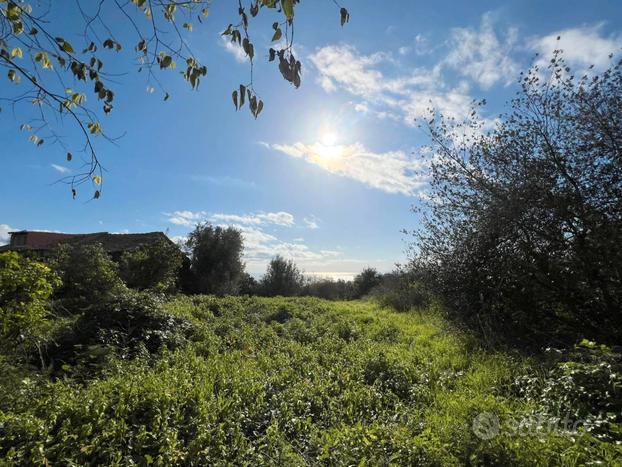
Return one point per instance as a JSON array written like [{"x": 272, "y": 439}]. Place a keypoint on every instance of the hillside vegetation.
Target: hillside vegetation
[{"x": 297, "y": 381}]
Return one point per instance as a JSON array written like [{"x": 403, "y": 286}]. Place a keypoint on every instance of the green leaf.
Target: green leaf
[
  {"x": 288, "y": 9},
  {"x": 235, "y": 99}
]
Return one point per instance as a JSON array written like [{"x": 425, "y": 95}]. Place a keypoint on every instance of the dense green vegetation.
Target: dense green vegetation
[{"x": 298, "y": 381}]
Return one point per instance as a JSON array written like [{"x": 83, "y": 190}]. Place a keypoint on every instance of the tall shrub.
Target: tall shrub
[{"x": 522, "y": 236}]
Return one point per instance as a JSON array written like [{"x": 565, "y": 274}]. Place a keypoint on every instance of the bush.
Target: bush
[
  {"x": 365, "y": 281},
  {"x": 90, "y": 276},
  {"x": 125, "y": 325},
  {"x": 155, "y": 266},
  {"x": 282, "y": 278},
  {"x": 583, "y": 385},
  {"x": 25, "y": 289},
  {"x": 400, "y": 291}
]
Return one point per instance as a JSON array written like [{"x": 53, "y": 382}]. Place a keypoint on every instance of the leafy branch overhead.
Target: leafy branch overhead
[{"x": 56, "y": 79}]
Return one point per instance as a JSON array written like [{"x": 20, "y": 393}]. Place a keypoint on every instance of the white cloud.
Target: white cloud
[
  {"x": 482, "y": 55},
  {"x": 178, "y": 239},
  {"x": 281, "y": 218},
  {"x": 186, "y": 218},
  {"x": 583, "y": 46},
  {"x": 60, "y": 168},
  {"x": 260, "y": 247},
  {"x": 190, "y": 218},
  {"x": 406, "y": 96},
  {"x": 421, "y": 45},
  {"x": 311, "y": 222},
  {"x": 234, "y": 49},
  {"x": 4, "y": 233},
  {"x": 342, "y": 66},
  {"x": 393, "y": 172}
]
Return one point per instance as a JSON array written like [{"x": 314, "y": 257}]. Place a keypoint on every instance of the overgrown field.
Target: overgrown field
[{"x": 254, "y": 381}]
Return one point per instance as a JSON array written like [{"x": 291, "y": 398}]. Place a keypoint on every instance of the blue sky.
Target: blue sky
[{"x": 328, "y": 174}]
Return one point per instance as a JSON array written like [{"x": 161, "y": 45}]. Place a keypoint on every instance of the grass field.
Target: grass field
[{"x": 258, "y": 381}]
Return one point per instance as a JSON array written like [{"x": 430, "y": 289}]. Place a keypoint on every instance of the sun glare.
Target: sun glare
[
  {"x": 327, "y": 153},
  {"x": 328, "y": 138}
]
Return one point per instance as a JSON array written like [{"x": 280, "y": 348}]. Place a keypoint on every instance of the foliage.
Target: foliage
[
  {"x": 522, "y": 236},
  {"x": 25, "y": 287},
  {"x": 401, "y": 291},
  {"x": 282, "y": 278},
  {"x": 584, "y": 384},
  {"x": 248, "y": 285},
  {"x": 41, "y": 55},
  {"x": 329, "y": 289},
  {"x": 155, "y": 266},
  {"x": 216, "y": 259},
  {"x": 124, "y": 326},
  {"x": 365, "y": 281},
  {"x": 285, "y": 381},
  {"x": 89, "y": 275}
]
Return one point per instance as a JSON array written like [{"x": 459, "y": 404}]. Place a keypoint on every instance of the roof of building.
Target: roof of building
[{"x": 110, "y": 242}]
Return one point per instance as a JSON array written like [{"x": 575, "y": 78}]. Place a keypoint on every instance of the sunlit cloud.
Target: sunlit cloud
[{"x": 393, "y": 172}]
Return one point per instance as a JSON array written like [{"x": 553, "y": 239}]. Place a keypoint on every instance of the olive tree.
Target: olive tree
[{"x": 215, "y": 253}]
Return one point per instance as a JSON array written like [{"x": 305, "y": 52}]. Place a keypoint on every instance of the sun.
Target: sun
[{"x": 328, "y": 138}]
